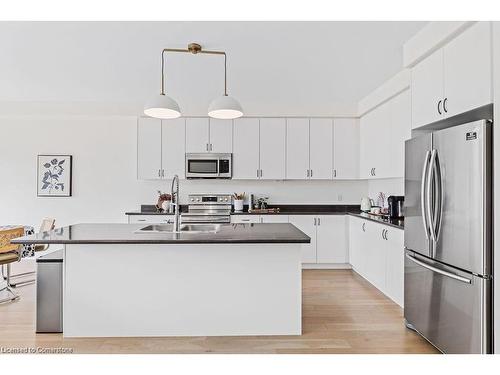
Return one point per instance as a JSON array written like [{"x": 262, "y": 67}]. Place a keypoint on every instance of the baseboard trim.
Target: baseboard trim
[{"x": 326, "y": 266}]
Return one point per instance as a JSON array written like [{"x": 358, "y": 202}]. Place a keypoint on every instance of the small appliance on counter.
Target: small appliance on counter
[
  {"x": 366, "y": 204},
  {"x": 396, "y": 203}
]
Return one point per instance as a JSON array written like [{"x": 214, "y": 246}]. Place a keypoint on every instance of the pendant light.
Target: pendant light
[{"x": 164, "y": 107}]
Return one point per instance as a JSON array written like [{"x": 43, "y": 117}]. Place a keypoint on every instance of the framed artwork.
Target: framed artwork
[{"x": 54, "y": 175}]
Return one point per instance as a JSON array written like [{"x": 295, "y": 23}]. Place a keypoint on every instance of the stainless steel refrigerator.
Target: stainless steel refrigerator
[{"x": 448, "y": 237}]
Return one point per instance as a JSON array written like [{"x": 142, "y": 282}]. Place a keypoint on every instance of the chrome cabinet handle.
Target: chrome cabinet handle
[
  {"x": 311, "y": 172},
  {"x": 383, "y": 230},
  {"x": 334, "y": 173},
  {"x": 163, "y": 172},
  {"x": 159, "y": 172},
  {"x": 141, "y": 219},
  {"x": 440, "y": 271},
  {"x": 261, "y": 173},
  {"x": 363, "y": 227},
  {"x": 374, "y": 171},
  {"x": 211, "y": 146},
  {"x": 315, "y": 221},
  {"x": 257, "y": 173},
  {"x": 319, "y": 221},
  {"x": 439, "y": 107},
  {"x": 444, "y": 105},
  {"x": 308, "y": 173}
]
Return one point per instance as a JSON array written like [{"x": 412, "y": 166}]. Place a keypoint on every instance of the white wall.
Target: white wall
[{"x": 104, "y": 173}]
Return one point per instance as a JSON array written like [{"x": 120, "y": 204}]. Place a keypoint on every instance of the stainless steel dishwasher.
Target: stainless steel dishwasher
[{"x": 49, "y": 293}]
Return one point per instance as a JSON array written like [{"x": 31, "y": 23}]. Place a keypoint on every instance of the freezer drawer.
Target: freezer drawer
[{"x": 450, "y": 308}]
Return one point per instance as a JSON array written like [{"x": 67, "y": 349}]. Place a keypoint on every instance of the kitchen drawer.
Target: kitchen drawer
[
  {"x": 151, "y": 219},
  {"x": 242, "y": 219}
]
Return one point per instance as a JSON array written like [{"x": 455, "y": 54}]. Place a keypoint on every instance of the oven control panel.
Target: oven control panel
[{"x": 210, "y": 199}]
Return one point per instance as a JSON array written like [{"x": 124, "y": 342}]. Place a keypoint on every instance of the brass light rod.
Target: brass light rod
[{"x": 193, "y": 48}]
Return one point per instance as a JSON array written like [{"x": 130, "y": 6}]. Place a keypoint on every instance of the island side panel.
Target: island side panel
[{"x": 182, "y": 290}]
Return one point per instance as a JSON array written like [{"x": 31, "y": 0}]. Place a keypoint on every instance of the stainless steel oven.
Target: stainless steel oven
[
  {"x": 208, "y": 208},
  {"x": 209, "y": 165}
]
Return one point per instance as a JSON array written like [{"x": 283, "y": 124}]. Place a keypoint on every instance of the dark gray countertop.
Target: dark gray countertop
[
  {"x": 395, "y": 223},
  {"x": 124, "y": 234},
  {"x": 285, "y": 209}
]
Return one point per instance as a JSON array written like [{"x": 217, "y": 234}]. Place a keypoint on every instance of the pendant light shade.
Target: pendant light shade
[
  {"x": 225, "y": 107},
  {"x": 162, "y": 107}
]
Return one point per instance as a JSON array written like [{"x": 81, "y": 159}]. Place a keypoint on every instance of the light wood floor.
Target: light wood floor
[{"x": 342, "y": 313}]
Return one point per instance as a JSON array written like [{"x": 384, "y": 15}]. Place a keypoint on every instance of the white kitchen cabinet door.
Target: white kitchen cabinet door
[
  {"x": 272, "y": 148},
  {"x": 427, "y": 86},
  {"x": 394, "y": 283},
  {"x": 468, "y": 70},
  {"x": 274, "y": 218},
  {"x": 173, "y": 134},
  {"x": 400, "y": 112},
  {"x": 306, "y": 223},
  {"x": 355, "y": 239},
  {"x": 246, "y": 148},
  {"x": 297, "y": 148},
  {"x": 221, "y": 136},
  {"x": 375, "y": 269},
  {"x": 331, "y": 241},
  {"x": 148, "y": 148},
  {"x": 321, "y": 148},
  {"x": 197, "y": 135},
  {"x": 370, "y": 139},
  {"x": 245, "y": 219},
  {"x": 345, "y": 148}
]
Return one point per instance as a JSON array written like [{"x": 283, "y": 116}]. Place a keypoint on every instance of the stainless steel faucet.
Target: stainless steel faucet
[{"x": 175, "y": 202}]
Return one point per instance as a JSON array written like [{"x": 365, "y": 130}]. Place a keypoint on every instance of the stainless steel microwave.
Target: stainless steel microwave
[{"x": 209, "y": 165}]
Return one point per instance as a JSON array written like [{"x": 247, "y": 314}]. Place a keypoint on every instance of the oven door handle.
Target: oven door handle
[{"x": 218, "y": 167}]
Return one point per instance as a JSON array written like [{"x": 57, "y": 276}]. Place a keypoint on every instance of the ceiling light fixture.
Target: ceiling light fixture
[{"x": 164, "y": 107}]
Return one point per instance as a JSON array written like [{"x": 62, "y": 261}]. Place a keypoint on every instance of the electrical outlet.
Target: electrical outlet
[{"x": 339, "y": 198}]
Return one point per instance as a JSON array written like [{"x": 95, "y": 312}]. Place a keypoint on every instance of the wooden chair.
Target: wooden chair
[
  {"x": 47, "y": 225},
  {"x": 9, "y": 253}
]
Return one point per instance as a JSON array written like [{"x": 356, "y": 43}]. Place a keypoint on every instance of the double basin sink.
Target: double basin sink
[{"x": 183, "y": 228}]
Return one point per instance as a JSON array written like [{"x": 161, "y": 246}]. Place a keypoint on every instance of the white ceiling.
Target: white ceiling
[{"x": 274, "y": 68}]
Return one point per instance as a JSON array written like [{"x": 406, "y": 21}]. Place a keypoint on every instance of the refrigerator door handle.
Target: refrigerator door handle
[
  {"x": 439, "y": 271},
  {"x": 423, "y": 195},
  {"x": 430, "y": 211},
  {"x": 438, "y": 183}
]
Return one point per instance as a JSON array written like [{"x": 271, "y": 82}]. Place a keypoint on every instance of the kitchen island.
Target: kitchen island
[{"x": 238, "y": 279}]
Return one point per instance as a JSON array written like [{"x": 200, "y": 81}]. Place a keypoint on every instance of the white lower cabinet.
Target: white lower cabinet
[
  {"x": 376, "y": 252},
  {"x": 151, "y": 219},
  {"x": 328, "y": 238},
  {"x": 306, "y": 224},
  {"x": 242, "y": 219}
]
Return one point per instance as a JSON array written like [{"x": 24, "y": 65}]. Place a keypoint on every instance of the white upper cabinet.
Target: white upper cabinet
[
  {"x": 427, "y": 87},
  {"x": 221, "y": 136},
  {"x": 246, "y": 148},
  {"x": 345, "y": 148},
  {"x": 400, "y": 132},
  {"x": 321, "y": 149},
  {"x": 468, "y": 70},
  {"x": 272, "y": 148},
  {"x": 382, "y": 134},
  {"x": 148, "y": 148},
  {"x": 173, "y": 148},
  {"x": 197, "y": 135},
  {"x": 297, "y": 148},
  {"x": 455, "y": 78},
  {"x": 160, "y": 148}
]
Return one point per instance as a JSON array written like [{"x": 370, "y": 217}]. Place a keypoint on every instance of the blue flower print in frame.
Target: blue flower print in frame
[{"x": 54, "y": 175}]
